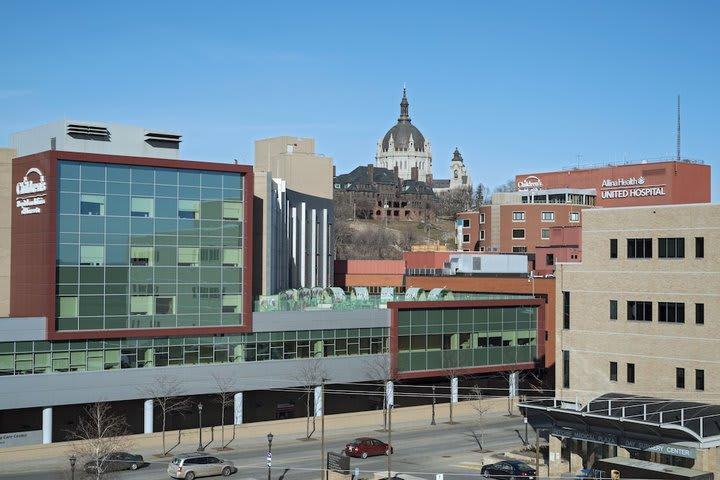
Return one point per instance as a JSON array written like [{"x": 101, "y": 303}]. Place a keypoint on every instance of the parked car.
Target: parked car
[
  {"x": 195, "y": 465},
  {"x": 367, "y": 447},
  {"x": 116, "y": 461},
  {"x": 509, "y": 470}
]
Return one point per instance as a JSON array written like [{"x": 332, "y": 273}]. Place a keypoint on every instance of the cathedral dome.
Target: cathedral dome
[{"x": 403, "y": 130}]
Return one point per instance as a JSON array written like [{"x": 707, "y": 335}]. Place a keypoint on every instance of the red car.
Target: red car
[{"x": 364, "y": 447}]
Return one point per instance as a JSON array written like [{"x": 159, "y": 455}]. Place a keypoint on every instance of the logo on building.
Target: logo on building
[
  {"x": 530, "y": 183},
  {"x": 29, "y": 192},
  {"x": 630, "y": 187}
]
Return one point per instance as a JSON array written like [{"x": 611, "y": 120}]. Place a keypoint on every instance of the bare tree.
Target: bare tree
[
  {"x": 168, "y": 394},
  {"x": 380, "y": 369},
  {"x": 477, "y": 432},
  {"x": 225, "y": 396},
  {"x": 508, "y": 186},
  {"x": 310, "y": 374},
  {"x": 450, "y": 365},
  {"x": 454, "y": 201},
  {"x": 99, "y": 433}
]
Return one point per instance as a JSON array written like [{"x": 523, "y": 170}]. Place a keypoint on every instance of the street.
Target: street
[{"x": 419, "y": 450}]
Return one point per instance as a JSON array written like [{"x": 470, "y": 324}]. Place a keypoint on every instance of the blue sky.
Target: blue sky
[{"x": 517, "y": 86}]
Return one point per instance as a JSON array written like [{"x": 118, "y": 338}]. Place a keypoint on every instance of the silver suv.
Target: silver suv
[{"x": 194, "y": 465}]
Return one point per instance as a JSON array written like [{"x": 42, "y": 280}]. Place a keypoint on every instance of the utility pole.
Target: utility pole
[
  {"x": 432, "y": 421},
  {"x": 322, "y": 429},
  {"x": 677, "y": 139},
  {"x": 537, "y": 454},
  {"x": 390, "y": 449}
]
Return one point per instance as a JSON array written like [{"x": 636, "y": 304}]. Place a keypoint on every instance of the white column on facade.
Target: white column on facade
[
  {"x": 324, "y": 256},
  {"x": 148, "y": 411},
  {"x": 389, "y": 393},
  {"x": 318, "y": 401},
  {"x": 303, "y": 244},
  {"x": 238, "y": 408},
  {"x": 47, "y": 424},
  {"x": 313, "y": 248},
  {"x": 294, "y": 248},
  {"x": 454, "y": 389}
]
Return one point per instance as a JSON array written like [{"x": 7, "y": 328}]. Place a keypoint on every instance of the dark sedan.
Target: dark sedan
[
  {"x": 509, "y": 470},
  {"x": 367, "y": 447},
  {"x": 114, "y": 462}
]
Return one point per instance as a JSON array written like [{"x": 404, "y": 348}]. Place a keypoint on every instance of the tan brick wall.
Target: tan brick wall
[
  {"x": 7, "y": 187},
  {"x": 655, "y": 348}
]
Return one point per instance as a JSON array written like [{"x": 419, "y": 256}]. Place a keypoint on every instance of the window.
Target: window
[
  {"x": 92, "y": 205},
  {"x": 466, "y": 238},
  {"x": 482, "y": 218},
  {"x": 549, "y": 259},
  {"x": 613, "y": 309},
  {"x": 545, "y": 233},
  {"x": 574, "y": 216},
  {"x": 518, "y": 216},
  {"x": 671, "y": 247},
  {"x": 566, "y": 368},
  {"x": 141, "y": 305},
  {"x": 639, "y": 311},
  {"x": 68, "y": 307},
  {"x": 699, "y": 247},
  {"x": 92, "y": 255},
  {"x": 613, "y": 371},
  {"x": 232, "y": 257},
  {"x": 639, "y": 248},
  {"x": 165, "y": 305},
  {"x": 679, "y": 378},
  {"x": 631, "y": 373},
  {"x": 231, "y": 303},
  {"x": 141, "y": 256},
  {"x": 566, "y": 310},
  {"x": 671, "y": 312},
  {"x": 519, "y": 249},
  {"x": 466, "y": 222},
  {"x": 547, "y": 216},
  {"x": 141, "y": 207},
  {"x": 188, "y": 256},
  {"x": 700, "y": 313},
  {"x": 482, "y": 234},
  {"x": 518, "y": 233},
  {"x": 232, "y": 211},
  {"x": 699, "y": 379},
  {"x": 189, "y": 209},
  {"x": 613, "y": 248}
]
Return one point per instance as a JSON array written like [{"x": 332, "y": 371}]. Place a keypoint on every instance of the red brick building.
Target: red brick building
[{"x": 630, "y": 185}]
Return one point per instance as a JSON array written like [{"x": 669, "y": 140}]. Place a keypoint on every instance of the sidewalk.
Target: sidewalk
[{"x": 285, "y": 431}]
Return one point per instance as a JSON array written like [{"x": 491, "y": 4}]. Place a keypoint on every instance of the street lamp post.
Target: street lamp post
[
  {"x": 200, "y": 444},
  {"x": 269, "y": 455},
  {"x": 72, "y": 460}
]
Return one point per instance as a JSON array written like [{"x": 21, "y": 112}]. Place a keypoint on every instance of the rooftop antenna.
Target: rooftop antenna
[{"x": 677, "y": 154}]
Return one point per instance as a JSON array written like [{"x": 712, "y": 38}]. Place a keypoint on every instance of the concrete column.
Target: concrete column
[
  {"x": 47, "y": 424},
  {"x": 454, "y": 389},
  {"x": 238, "y": 408},
  {"x": 389, "y": 393},
  {"x": 623, "y": 452},
  {"x": 148, "y": 416},
  {"x": 555, "y": 456},
  {"x": 318, "y": 401}
]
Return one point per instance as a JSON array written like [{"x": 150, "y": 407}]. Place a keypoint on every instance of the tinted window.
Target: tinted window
[
  {"x": 671, "y": 247},
  {"x": 631, "y": 373},
  {"x": 699, "y": 247},
  {"x": 639, "y": 248},
  {"x": 671, "y": 312},
  {"x": 613, "y": 371},
  {"x": 613, "y": 248},
  {"x": 700, "y": 313},
  {"x": 613, "y": 310},
  {"x": 639, "y": 311}
]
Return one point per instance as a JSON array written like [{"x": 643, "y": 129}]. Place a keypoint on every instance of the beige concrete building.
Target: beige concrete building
[
  {"x": 293, "y": 215},
  {"x": 639, "y": 314},
  {"x": 6, "y": 200}
]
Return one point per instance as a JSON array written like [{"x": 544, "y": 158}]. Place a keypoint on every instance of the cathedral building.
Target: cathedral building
[{"x": 405, "y": 150}]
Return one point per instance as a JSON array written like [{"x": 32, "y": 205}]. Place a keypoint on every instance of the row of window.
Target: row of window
[
  {"x": 519, "y": 234},
  {"x": 667, "y": 247},
  {"x": 147, "y": 256},
  {"x": 96, "y": 305},
  {"x": 18, "y": 358},
  {"x": 463, "y": 341},
  {"x": 668, "y": 312},
  {"x": 545, "y": 216},
  {"x": 149, "y": 207},
  {"x": 679, "y": 376}
]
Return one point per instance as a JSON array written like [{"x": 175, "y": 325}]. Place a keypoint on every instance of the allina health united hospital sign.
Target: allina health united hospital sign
[{"x": 630, "y": 187}]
